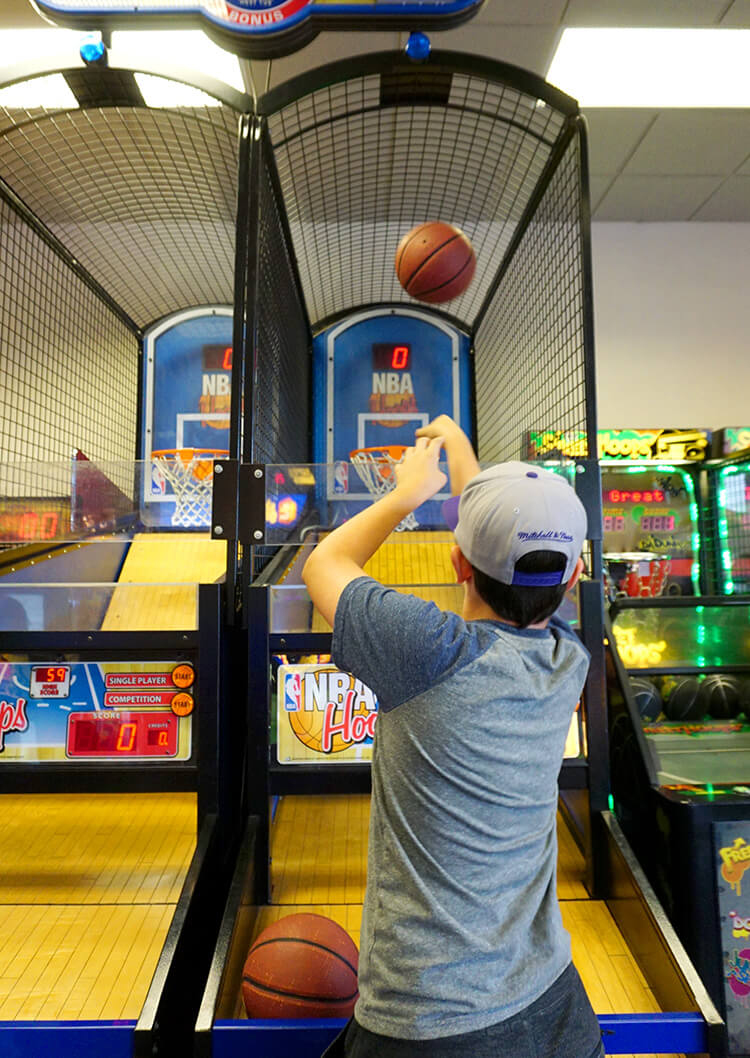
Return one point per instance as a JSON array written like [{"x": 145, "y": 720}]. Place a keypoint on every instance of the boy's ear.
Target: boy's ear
[
  {"x": 461, "y": 565},
  {"x": 576, "y": 573}
]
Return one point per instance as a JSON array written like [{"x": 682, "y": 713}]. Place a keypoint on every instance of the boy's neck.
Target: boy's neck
[{"x": 476, "y": 609}]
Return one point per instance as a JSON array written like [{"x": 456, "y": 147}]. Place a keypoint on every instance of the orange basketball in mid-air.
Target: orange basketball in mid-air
[
  {"x": 435, "y": 262},
  {"x": 302, "y": 966}
]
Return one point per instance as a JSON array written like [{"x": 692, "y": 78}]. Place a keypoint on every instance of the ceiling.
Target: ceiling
[{"x": 646, "y": 165}]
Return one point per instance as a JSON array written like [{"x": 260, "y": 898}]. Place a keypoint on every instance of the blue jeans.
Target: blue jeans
[{"x": 559, "y": 1024}]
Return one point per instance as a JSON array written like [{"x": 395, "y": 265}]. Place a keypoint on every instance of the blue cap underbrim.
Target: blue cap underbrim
[{"x": 450, "y": 512}]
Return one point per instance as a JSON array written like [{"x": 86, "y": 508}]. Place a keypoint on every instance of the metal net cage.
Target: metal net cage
[
  {"x": 144, "y": 199},
  {"x": 533, "y": 353},
  {"x": 377, "y": 147},
  {"x": 69, "y": 363},
  {"x": 278, "y": 337},
  {"x": 112, "y": 215}
]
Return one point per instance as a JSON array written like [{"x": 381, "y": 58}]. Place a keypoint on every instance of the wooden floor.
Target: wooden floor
[
  {"x": 178, "y": 563},
  {"x": 88, "y": 889},
  {"x": 319, "y": 863}
]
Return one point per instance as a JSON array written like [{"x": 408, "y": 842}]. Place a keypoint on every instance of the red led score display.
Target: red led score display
[
  {"x": 122, "y": 735},
  {"x": 389, "y": 357}
]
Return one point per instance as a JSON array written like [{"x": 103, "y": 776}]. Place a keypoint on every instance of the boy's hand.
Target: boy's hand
[
  {"x": 443, "y": 427},
  {"x": 462, "y": 463},
  {"x": 418, "y": 477}
]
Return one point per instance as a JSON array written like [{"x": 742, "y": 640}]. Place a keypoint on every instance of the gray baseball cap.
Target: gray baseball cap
[{"x": 514, "y": 508}]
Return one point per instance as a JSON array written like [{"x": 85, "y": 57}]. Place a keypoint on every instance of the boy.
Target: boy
[{"x": 462, "y": 949}]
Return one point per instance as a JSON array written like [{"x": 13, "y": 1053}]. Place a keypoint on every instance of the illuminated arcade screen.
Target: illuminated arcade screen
[
  {"x": 733, "y": 513},
  {"x": 651, "y": 539}
]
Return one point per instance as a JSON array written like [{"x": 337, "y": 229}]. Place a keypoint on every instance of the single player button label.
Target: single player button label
[{"x": 124, "y": 680}]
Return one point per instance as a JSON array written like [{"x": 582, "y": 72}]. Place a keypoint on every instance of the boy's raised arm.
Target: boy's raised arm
[
  {"x": 340, "y": 557},
  {"x": 462, "y": 463}
]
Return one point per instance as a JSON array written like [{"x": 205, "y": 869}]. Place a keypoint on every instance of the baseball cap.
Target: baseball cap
[{"x": 511, "y": 509}]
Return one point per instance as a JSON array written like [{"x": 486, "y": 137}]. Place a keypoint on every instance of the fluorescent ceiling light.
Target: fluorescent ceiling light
[
  {"x": 189, "y": 49},
  {"x": 33, "y": 45},
  {"x": 51, "y": 92},
  {"x": 161, "y": 92},
  {"x": 654, "y": 67}
]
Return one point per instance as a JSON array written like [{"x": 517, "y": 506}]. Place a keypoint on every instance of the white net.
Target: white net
[
  {"x": 190, "y": 472},
  {"x": 375, "y": 467}
]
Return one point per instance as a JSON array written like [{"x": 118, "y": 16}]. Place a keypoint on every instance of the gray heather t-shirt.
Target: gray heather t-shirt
[{"x": 461, "y": 925}]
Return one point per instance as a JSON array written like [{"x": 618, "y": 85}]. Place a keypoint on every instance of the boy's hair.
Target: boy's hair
[{"x": 524, "y": 605}]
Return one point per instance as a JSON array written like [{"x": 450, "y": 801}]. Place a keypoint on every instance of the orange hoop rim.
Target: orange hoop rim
[
  {"x": 395, "y": 452},
  {"x": 188, "y": 453}
]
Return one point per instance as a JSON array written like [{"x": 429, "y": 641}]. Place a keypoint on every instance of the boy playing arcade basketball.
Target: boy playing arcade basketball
[{"x": 463, "y": 951}]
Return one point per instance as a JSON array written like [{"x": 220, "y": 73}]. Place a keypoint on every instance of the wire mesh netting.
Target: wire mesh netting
[
  {"x": 144, "y": 199},
  {"x": 281, "y": 377},
  {"x": 68, "y": 364},
  {"x": 530, "y": 354},
  {"x": 281, "y": 381},
  {"x": 363, "y": 160}
]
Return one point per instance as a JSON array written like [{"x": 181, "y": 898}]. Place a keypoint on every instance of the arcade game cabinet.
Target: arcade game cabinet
[{"x": 678, "y": 679}]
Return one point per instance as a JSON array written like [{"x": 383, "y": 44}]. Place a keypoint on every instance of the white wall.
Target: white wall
[{"x": 672, "y": 324}]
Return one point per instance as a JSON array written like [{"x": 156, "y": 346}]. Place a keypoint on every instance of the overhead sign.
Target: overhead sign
[
  {"x": 261, "y": 29},
  {"x": 667, "y": 445}
]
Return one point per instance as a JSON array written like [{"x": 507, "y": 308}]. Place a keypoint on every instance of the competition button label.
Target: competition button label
[
  {"x": 183, "y": 676},
  {"x": 182, "y": 704}
]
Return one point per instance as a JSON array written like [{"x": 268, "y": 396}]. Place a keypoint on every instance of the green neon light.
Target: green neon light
[
  {"x": 701, "y": 662},
  {"x": 611, "y": 803},
  {"x": 701, "y": 637},
  {"x": 710, "y": 791}
]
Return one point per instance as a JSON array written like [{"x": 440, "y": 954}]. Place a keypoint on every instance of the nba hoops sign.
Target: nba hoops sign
[
  {"x": 324, "y": 715},
  {"x": 261, "y": 29}
]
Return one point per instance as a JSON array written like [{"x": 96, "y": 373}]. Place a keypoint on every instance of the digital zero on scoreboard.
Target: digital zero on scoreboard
[
  {"x": 389, "y": 357},
  {"x": 122, "y": 735}
]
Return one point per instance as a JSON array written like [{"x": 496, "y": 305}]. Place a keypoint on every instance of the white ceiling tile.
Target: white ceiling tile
[
  {"x": 652, "y": 198},
  {"x": 598, "y": 186},
  {"x": 326, "y": 47},
  {"x": 530, "y": 47},
  {"x": 730, "y": 202},
  {"x": 738, "y": 15},
  {"x": 683, "y": 13},
  {"x": 613, "y": 136},
  {"x": 693, "y": 143},
  {"x": 521, "y": 12}
]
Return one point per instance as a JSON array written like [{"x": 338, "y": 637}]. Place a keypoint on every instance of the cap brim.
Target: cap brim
[{"x": 450, "y": 512}]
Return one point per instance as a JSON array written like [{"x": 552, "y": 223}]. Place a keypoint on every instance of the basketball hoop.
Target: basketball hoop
[
  {"x": 375, "y": 467},
  {"x": 190, "y": 472}
]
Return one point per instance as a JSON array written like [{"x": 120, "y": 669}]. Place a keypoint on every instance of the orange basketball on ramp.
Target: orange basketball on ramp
[{"x": 302, "y": 966}]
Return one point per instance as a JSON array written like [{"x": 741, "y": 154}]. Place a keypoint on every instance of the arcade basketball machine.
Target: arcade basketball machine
[
  {"x": 335, "y": 364},
  {"x": 652, "y": 508},
  {"x": 113, "y": 741},
  {"x": 728, "y": 511},
  {"x": 679, "y": 678}
]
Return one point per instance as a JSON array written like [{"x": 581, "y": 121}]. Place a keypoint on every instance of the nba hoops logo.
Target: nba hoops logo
[
  {"x": 158, "y": 481},
  {"x": 292, "y": 692},
  {"x": 323, "y": 712},
  {"x": 341, "y": 477}
]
